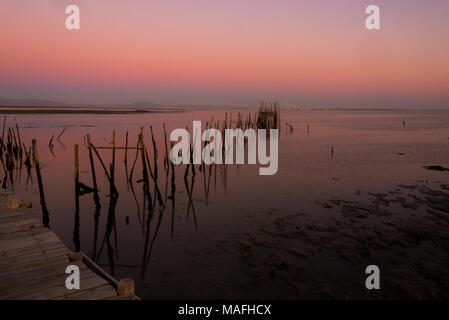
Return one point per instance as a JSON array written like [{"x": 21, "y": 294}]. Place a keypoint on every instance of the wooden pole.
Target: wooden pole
[
  {"x": 18, "y": 136},
  {"x": 45, "y": 213},
  {"x": 104, "y": 168},
  {"x": 3, "y": 131},
  {"x": 154, "y": 152},
  {"x": 166, "y": 162},
  {"x": 62, "y": 132},
  {"x": 137, "y": 155},
  {"x": 146, "y": 180},
  {"x": 172, "y": 196},
  {"x": 94, "y": 175},
  {"x": 126, "y": 160},
  {"x": 125, "y": 287},
  {"x": 126, "y": 148},
  {"x": 92, "y": 166},
  {"x": 113, "y": 157}
]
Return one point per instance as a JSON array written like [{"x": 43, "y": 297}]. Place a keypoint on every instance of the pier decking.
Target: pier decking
[{"x": 33, "y": 262}]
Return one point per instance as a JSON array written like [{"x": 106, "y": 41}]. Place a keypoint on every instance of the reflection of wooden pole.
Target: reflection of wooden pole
[
  {"x": 3, "y": 131},
  {"x": 154, "y": 152},
  {"x": 126, "y": 148},
  {"x": 15, "y": 148},
  {"x": 137, "y": 155},
  {"x": 113, "y": 157},
  {"x": 126, "y": 159},
  {"x": 76, "y": 231},
  {"x": 101, "y": 162},
  {"x": 144, "y": 163},
  {"x": 166, "y": 161},
  {"x": 92, "y": 166},
  {"x": 172, "y": 196},
  {"x": 18, "y": 137},
  {"x": 9, "y": 139},
  {"x": 45, "y": 213},
  {"x": 77, "y": 169}
]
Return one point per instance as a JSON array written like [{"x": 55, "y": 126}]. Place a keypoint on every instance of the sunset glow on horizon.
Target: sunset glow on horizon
[{"x": 227, "y": 52}]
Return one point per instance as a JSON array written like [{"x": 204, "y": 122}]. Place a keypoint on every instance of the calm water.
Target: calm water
[{"x": 202, "y": 252}]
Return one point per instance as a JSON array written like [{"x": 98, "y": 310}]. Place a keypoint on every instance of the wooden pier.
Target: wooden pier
[{"x": 33, "y": 262}]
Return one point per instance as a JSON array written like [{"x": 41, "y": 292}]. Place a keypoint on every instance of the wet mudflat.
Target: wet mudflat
[{"x": 404, "y": 231}]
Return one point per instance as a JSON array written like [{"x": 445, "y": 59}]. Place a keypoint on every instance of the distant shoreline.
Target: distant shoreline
[{"x": 79, "y": 110}]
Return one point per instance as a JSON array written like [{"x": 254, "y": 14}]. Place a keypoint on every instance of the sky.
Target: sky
[{"x": 227, "y": 52}]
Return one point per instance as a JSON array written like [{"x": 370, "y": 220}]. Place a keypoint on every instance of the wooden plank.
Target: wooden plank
[
  {"x": 14, "y": 270},
  {"x": 19, "y": 227},
  {"x": 16, "y": 217},
  {"x": 99, "y": 293},
  {"x": 44, "y": 243},
  {"x": 22, "y": 234},
  {"x": 124, "y": 297},
  {"x": 43, "y": 283},
  {"x": 14, "y": 213},
  {"x": 26, "y": 220},
  {"x": 25, "y": 242},
  {"x": 33, "y": 275},
  {"x": 33, "y": 261},
  {"x": 40, "y": 269},
  {"x": 48, "y": 246},
  {"x": 34, "y": 223},
  {"x": 60, "y": 290},
  {"x": 37, "y": 233},
  {"x": 40, "y": 256},
  {"x": 41, "y": 239}
]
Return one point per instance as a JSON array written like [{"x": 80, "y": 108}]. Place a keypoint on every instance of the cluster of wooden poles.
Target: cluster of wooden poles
[
  {"x": 154, "y": 203},
  {"x": 154, "y": 200},
  {"x": 12, "y": 151}
]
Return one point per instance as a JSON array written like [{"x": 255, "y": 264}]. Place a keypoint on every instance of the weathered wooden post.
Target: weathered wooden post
[
  {"x": 125, "y": 286},
  {"x": 166, "y": 160},
  {"x": 94, "y": 175},
  {"x": 45, "y": 214}
]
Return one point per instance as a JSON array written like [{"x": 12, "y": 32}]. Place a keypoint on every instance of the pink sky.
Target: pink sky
[{"x": 227, "y": 52}]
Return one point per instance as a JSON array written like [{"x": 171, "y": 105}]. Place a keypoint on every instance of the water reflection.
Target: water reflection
[{"x": 149, "y": 176}]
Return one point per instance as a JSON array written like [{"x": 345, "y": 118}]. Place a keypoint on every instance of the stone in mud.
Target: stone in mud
[
  {"x": 298, "y": 251},
  {"x": 353, "y": 211},
  {"x": 436, "y": 168}
]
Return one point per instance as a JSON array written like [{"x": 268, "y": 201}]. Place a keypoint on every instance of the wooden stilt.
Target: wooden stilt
[{"x": 45, "y": 214}]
